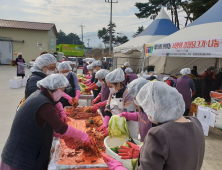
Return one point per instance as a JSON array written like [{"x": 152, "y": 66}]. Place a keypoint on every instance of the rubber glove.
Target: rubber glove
[
  {"x": 130, "y": 116},
  {"x": 59, "y": 107},
  {"x": 88, "y": 89},
  {"x": 98, "y": 98},
  {"x": 57, "y": 135},
  {"x": 88, "y": 77},
  {"x": 112, "y": 163},
  {"x": 105, "y": 124},
  {"x": 77, "y": 95},
  {"x": 69, "y": 98},
  {"x": 98, "y": 105},
  {"x": 129, "y": 152},
  {"x": 86, "y": 82},
  {"x": 78, "y": 134},
  {"x": 91, "y": 84},
  {"x": 106, "y": 132},
  {"x": 193, "y": 93}
]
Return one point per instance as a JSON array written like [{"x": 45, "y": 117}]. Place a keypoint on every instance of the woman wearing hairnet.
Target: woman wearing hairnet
[
  {"x": 90, "y": 77},
  {"x": 29, "y": 142},
  {"x": 73, "y": 89},
  {"x": 104, "y": 95},
  {"x": 84, "y": 70},
  {"x": 95, "y": 86},
  {"x": 185, "y": 85},
  {"x": 44, "y": 65},
  {"x": 177, "y": 144},
  {"x": 119, "y": 101},
  {"x": 20, "y": 67},
  {"x": 140, "y": 117},
  {"x": 130, "y": 76}
]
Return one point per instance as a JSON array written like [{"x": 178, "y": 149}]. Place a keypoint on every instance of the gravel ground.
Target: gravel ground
[{"x": 10, "y": 98}]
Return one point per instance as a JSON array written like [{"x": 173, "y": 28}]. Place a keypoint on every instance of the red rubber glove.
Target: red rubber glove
[
  {"x": 104, "y": 125},
  {"x": 86, "y": 82},
  {"x": 193, "y": 93},
  {"x": 112, "y": 163},
  {"x": 129, "y": 152},
  {"x": 105, "y": 132},
  {"x": 88, "y": 89},
  {"x": 91, "y": 84},
  {"x": 59, "y": 107},
  {"x": 98, "y": 98},
  {"x": 98, "y": 105},
  {"x": 78, "y": 134},
  {"x": 130, "y": 116}
]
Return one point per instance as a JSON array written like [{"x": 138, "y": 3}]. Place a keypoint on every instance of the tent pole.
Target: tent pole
[{"x": 164, "y": 66}]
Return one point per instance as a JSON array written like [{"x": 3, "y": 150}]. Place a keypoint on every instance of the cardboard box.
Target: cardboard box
[
  {"x": 206, "y": 116},
  {"x": 15, "y": 83},
  {"x": 205, "y": 129}
]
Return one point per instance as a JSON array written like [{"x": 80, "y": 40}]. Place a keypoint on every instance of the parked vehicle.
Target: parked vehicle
[
  {"x": 80, "y": 60},
  {"x": 74, "y": 63},
  {"x": 107, "y": 62}
]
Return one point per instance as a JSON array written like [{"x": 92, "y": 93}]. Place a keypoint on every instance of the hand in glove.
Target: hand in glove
[
  {"x": 130, "y": 116},
  {"x": 88, "y": 89},
  {"x": 88, "y": 77},
  {"x": 91, "y": 84},
  {"x": 78, "y": 134},
  {"x": 86, "y": 82},
  {"x": 97, "y": 99},
  {"x": 105, "y": 132},
  {"x": 77, "y": 95},
  {"x": 129, "y": 152},
  {"x": 112, "y": 163},
  {"x": 98, "y": 105},
  {"x": 104, "y": 125},
  {"x": 69, "y": 98},
  {"x": 59, "y": 107}
]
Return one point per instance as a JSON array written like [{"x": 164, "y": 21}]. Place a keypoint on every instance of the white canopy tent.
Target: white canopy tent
[
  {"x": 132, "y": 50},
  {"x": 200, "y": 44}
]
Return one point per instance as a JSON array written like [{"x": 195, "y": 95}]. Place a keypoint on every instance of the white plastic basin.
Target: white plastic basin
[{"x": 113, "y": 142}]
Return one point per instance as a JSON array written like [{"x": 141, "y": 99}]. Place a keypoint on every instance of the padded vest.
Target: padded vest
[{"x": 28, "y": 145}]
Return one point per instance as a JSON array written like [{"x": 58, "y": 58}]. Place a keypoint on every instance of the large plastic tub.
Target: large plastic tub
[{"x": 113, "y": 142}]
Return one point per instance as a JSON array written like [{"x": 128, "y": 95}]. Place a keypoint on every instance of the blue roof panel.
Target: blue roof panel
[
  {"x": 214, "y": 14},
  {"x": 159, "y": 27}
]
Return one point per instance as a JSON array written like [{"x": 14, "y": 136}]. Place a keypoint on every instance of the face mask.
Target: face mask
[
  {"x": 135, "y": 102},
  {"x": 90, "y": 72},
  {"x": 94, "y": 70},
  {"x": 49, "y": 72},
  {"x": 102, "y": 82},
  {"x": 65, "y": 74},
  {"x": 57, "y": 95},
  {"x": 113, "y": 90}
]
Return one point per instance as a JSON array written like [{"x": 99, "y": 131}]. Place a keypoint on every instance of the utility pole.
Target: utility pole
[
  {"x": 82, "y": 30},
  {"x": 110, "y": 32},
  {"x": 88, "y": 42}
]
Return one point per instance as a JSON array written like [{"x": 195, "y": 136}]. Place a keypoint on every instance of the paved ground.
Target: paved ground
[{"x": 10, "y": 98}]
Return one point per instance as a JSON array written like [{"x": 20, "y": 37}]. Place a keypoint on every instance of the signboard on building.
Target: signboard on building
[
  {"x": 71, "y": 49},
  {"x": 40, "y": 44}
]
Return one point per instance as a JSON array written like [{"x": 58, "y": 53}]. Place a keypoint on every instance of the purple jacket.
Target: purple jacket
[
  {"x": 185, "y": 85},
  {"x": 104, "y": 96},
  {"x": 130, "y": 77},
  {"x": 144, "y": 124},
  {"x": 85, "y": 70}
]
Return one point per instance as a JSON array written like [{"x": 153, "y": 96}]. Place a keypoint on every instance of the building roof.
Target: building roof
[{"x": 27, "y": 25}]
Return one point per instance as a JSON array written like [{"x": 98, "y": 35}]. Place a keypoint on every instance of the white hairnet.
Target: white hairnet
[
  {"x": 101, "y": 74},
  {"x": 19, "y": 54},
  {"x": 64, "y": 66},
  {"x": 185, "y": 71},
  {"x": 115, "y": 76},
  {"x": 53, "y": 82},
  {"x": 161, "y": 101},
  {"x": 126, "y": 64},
  {"x": 89, "y": 67},
  {"x": 63, "y": 56},
  {"x": 44, "y": 60},
  {"x": 91, "y": 60},
  {"x": 165, "y": 78},
  {"x": 84, "y": 60},
  {"x": 97, "y": 63},
  {"x": 128, "y": 70},
  {"x": 135, "y": 86}
]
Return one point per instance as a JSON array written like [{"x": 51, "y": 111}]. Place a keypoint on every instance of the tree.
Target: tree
[
  {"x": 71, "y": 38},
  {"x": 139, "y": 30},
  {"x": 120, "y": 40},
  {"x": 151, "y": 9}
]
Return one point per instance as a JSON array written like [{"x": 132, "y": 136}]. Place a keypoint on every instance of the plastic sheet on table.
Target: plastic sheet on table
[
  {"x": 55, "y": 151},
  {"x": 215, "y": 97}
]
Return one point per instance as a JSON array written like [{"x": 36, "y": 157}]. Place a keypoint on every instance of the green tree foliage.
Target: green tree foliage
[
  {"x": 120, "y": 40},
  {"x": 71, "y": 38},
  {"x": 139, "y": 30}
]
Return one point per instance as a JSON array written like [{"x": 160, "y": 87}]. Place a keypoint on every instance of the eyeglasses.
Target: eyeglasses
[{"x": 51, "y": 68}]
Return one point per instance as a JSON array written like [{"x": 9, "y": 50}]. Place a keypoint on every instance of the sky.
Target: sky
[{"x": 69, "y": 14}]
